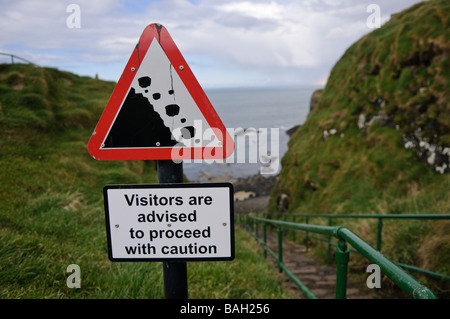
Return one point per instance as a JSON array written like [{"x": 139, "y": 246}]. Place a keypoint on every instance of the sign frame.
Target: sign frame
[
  {"x": 179, "y": 65},
  {"x": 170, "y": 186}
]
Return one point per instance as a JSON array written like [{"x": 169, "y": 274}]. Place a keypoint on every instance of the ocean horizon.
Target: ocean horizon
[{"x": 252, "y": 110}]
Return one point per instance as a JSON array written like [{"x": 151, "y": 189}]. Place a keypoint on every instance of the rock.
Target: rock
[
  {"x": 209, "y": 177},
  {"x": 258, "y": 184},
  {"x": 283, "y": 202},
  {"x": 243, "y": 195},
  {"x": 292, "y": 130},
  {"x": 430, "y": 153},
  {"x": 311, "y": 185},
  {"x": 361, "y": 121},
  {"x": 328, "y": 133},
  {"x": 251, "y": 194},
  {"x": 381, "y": 118},
  {"x": 315, "y": 99}
]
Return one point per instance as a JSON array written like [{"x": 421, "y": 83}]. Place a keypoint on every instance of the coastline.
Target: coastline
[{"x": 251, "y": 193}]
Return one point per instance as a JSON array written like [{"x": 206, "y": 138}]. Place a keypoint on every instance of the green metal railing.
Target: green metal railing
[
  {"x": 331, "y": 217},
  {"x": 405, "y": 281}
]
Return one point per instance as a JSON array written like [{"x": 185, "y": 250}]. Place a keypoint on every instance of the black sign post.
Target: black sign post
[
  {"x": 140, "y": 122},
  {"x": 175, "y": 273}
]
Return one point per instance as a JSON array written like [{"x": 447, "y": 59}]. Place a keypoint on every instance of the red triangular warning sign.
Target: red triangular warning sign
[{"x": 158, "y": 110}]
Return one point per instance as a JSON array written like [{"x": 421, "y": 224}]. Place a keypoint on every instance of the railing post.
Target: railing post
[
  {"x": 307, "y": 234},
  {"x": 293, "y": 230},
  {"x": 380, "y": 230},
  {"x": 280, "y": 248},
  {"x": 329, "y": 242},
  {"x": 256, "y": 230},
  {"x": 342, "y": 257},
  {"x": 265, "y": 238}
]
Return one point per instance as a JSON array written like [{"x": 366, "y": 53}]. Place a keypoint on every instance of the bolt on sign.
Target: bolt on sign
[
  {"x": 158, "y": 110},
  {"x": 170, "y": 222}
]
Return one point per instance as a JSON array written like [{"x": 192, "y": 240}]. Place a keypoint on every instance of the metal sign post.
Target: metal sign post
[
  {"x": 175, "y": 273},
  {"x": 158, "y": 111}
]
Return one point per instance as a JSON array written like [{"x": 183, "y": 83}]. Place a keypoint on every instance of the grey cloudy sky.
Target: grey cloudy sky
[{"x": 226, "y": 43}]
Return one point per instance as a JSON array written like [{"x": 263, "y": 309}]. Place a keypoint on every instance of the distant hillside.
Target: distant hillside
[{"x": 378, "y": 141}]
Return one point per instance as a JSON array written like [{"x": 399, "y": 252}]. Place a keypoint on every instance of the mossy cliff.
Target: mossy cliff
[{"x": 378, "y": 140}]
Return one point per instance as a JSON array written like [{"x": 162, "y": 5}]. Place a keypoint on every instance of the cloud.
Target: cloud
[
  {"x": 258, "y": 42},
  {"x": 271, "y": 10}
]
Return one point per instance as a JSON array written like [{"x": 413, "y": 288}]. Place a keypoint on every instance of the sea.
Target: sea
[{"x": 249, "y": 113}]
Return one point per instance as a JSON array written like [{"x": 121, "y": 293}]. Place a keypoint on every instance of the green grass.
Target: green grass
[{"x": 51, "y": 202}]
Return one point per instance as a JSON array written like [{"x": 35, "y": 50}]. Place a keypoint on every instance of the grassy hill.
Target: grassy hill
[
  {"x": 51, "y": 201},
  {"x": 378, "y": 141}
]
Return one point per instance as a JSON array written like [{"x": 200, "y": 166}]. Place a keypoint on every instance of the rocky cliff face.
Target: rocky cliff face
[{"x": 386, "y": 106}]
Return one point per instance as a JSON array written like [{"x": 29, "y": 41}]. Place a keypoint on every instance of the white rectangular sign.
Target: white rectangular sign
[{"x": 176, "y": 222}]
